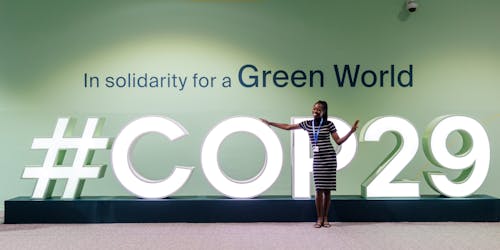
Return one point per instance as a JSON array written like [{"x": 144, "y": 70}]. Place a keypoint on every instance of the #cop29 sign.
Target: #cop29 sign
[{"x": 473, "y": 159}]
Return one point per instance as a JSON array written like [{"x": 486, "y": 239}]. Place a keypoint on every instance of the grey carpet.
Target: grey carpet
[{"x": 448, "y": 235}]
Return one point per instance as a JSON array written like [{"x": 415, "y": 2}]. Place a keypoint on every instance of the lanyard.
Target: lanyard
[{"x": 316, "y": 135}]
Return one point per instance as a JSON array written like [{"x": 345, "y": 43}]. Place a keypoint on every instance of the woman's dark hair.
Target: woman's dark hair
[{"x": 325, "y": 109}]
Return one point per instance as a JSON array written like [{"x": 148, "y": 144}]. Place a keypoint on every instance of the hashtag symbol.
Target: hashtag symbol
[{"x": 53, "y": 168}]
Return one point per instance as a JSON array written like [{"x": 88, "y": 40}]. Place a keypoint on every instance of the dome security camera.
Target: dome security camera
[{"x": 411, "y": 5}]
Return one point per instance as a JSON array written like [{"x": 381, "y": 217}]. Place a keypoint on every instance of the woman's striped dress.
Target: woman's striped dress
[{"x": 324, "y": 161}]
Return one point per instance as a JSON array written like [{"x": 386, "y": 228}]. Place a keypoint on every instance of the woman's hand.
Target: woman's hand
[{"x": 354, "y": 126}]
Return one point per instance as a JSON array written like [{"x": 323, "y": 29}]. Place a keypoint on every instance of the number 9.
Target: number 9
[{"x": 473, "y": 158}]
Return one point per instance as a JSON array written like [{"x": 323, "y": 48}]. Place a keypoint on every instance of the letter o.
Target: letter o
[{"x": 256, "y": 185}]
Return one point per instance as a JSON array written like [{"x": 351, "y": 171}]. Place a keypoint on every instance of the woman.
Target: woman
[{"x": 325, "y": 158}]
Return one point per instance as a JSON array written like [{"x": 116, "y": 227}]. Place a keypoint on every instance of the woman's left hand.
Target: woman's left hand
[{"x": 354, "y": 126}]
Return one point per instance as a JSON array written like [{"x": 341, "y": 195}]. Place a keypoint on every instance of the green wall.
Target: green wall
[{"x": 46, "y": 47}]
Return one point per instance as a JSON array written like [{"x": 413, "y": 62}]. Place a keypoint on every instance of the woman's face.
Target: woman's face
[{"x": 317, "y": 110}]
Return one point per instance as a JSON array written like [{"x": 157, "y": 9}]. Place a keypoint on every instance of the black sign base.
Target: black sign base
[{"x": 478, "y": 208}]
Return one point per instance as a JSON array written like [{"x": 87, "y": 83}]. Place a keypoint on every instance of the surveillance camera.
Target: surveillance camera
[{"x": 411, "y": 5}]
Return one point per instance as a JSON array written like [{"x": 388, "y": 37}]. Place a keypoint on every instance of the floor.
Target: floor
[{"x": 401, "y": 235}]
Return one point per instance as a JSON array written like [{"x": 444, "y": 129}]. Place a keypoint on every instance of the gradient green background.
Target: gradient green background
[{"x": 47, "y": 46}]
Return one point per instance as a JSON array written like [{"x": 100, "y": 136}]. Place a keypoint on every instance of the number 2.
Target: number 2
[{"x": 380, "y": 183}]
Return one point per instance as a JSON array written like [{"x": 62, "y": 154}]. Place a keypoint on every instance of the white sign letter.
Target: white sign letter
[
  {"x": 256, "y": 185},
  {"x": 124, "y": 170}
]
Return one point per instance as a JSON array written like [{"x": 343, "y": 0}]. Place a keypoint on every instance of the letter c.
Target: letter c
[{"x": 124, "y": 170}]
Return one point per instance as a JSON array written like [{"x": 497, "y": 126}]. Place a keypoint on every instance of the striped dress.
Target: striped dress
[{"x": 324, "y": 161}]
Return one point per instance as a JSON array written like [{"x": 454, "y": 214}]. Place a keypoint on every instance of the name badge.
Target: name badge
[{"x": 315, "y": 149}]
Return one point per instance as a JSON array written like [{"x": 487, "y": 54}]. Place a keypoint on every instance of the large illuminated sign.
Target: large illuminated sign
[{"x": 472, "y": 160}]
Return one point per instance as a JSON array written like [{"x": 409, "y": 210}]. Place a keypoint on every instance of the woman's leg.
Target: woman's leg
[
  {"x": 327, "y": 201},
  {"x": 319, "y": 208}
]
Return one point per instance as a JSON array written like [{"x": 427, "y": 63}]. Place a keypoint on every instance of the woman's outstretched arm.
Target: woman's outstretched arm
[
  {"x": 281, "y": 125},
  {"x": 339, "y": 140}
]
